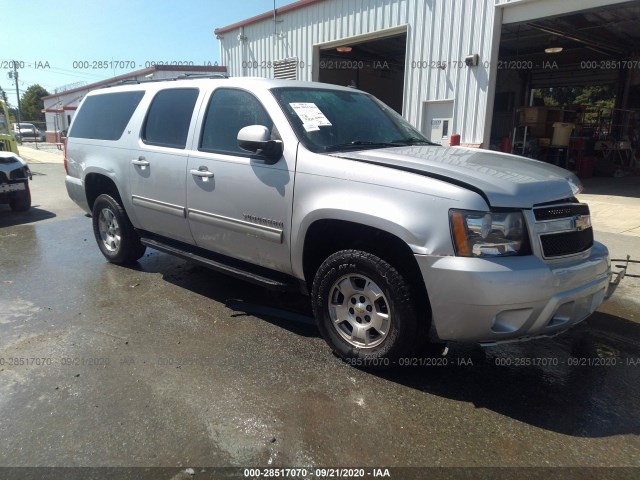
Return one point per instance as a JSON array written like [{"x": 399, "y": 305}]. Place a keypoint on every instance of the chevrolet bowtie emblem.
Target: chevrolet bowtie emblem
[{"x": 582, "y": 222}]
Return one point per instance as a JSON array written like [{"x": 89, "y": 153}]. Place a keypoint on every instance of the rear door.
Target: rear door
[
  {"x": 239, "y": 204},
  {"x": 159, "y": 165}
]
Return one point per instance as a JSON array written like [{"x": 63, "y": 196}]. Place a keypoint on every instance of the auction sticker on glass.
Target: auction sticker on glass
[{"x": 311, "y": 116}]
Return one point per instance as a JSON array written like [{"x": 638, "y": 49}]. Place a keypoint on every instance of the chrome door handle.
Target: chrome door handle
[
  {"x": 140, "y": 162},
  {"x": 202, "y": 173}
]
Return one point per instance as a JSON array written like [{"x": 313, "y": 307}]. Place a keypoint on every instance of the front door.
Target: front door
[{"x": 239, "y": 205}]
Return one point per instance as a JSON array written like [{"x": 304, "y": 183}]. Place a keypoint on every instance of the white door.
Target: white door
[{"x": 437, "y": 120}]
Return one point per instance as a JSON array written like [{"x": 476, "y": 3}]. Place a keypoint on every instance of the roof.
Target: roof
[
  {"x": 144, "y": 71},
  {"x": 265, "y": 16}
]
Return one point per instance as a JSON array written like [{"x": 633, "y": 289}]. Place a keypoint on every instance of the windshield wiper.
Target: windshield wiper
[
  {"x": 361, "y": 143},
  {"x": 413, "y": 141}
]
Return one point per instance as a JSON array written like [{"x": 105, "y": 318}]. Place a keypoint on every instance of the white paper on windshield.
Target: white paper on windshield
[{"x": 311, "y": 116}]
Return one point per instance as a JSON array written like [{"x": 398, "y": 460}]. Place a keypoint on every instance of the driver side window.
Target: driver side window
[{"x": 228, "y": 112}]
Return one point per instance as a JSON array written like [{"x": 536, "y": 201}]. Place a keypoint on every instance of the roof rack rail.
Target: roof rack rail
[
  {"x": 184, "y": 76},
  {"x": 134, "y": 81},
  {"x": 201, "y": 75}
]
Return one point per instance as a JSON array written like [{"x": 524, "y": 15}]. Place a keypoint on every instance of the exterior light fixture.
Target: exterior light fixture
[
  {"x": 553, "y": 50},
  {"x": 344, "y": 49}
]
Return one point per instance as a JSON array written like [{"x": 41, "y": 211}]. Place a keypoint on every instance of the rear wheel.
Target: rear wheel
[
  {"x": 363, "y": 308},
  {"x": 21, "y": 202},
  {"x": 116, "y": 237}
]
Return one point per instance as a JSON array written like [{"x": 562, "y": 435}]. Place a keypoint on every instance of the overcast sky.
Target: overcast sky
[{"x": 58, "y": 40}]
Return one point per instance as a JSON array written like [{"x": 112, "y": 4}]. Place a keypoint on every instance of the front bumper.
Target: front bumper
[
  {"x": 17, "y": 186},
  {"x": 512, "y": 298}
]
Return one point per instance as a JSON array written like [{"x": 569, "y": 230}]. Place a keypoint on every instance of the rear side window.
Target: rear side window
[
  {"x": 104, "y": 117},
  {"x": 169, "y": 117},
  {"x": 229, "y": 111}
]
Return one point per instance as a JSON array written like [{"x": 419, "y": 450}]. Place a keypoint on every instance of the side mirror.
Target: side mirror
[{"x": 255, "y": 139}]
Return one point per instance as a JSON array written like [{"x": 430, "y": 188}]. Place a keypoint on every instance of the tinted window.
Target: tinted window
[
  {"x": 229, "y": 111},
  {"x": 169, "y": 117},
  {"x": 104, "y": 117}
]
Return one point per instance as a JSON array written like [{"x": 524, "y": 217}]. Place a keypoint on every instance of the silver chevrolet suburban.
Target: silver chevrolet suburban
[{"x": 324, "y": 189}]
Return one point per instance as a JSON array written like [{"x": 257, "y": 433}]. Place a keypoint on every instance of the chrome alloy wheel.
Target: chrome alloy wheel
[
  {"x": 359, "y": 311},
  {"x": 109, "y": 230}
]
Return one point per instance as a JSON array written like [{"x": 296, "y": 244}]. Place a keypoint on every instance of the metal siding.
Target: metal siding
[{"x": 437, "y": 30}]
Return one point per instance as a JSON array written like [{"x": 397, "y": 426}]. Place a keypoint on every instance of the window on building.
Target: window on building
[
  {"x": 229, "y": 111},
  {"x": 105, "y": 116},
  {"x": 169, "y": 117}
]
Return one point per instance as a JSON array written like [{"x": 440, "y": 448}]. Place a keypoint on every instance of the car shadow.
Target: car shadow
[
  {"x": 288, "y": 310},
  {"x": 9, "y": 218},
  {"x": 582, "y": 383}
]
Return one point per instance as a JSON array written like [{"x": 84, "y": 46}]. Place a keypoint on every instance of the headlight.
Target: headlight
[
  {"x": 488, "y": 234},
  {"x": 20, "y": 173}
]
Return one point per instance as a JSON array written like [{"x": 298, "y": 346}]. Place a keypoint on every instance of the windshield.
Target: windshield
[{"x": 333, "y": 120}]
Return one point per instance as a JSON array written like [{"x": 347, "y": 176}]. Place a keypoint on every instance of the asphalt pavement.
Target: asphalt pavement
[{"x": 166, "y": 364}]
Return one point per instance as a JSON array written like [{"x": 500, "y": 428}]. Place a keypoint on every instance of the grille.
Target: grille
[
  {"x": 560, "y": 211},
  {"x": 566, "y": 243}
]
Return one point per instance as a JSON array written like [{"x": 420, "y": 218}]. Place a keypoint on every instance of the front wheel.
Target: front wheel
[
  {"x": 116, "y": 237},
  {"x": 364, "y": 309},
  {"x": 22, "y": 200}
]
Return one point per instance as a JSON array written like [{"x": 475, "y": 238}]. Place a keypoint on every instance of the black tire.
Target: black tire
[
  {"x": 21, "y": 202},
  {"x": 116, "y": 237},
  {"x": 346, "y": 272}
]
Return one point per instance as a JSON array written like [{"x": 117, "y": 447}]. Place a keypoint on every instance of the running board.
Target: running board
[{"x": 233, "y": 268}]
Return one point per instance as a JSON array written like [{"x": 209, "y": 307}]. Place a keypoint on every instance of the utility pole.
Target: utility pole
[{"x": 15, "y": 78}]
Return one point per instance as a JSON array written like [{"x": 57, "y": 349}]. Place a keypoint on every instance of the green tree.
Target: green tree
[
  {"x": 600, "y": 96},
  {"x": 32, "y": 104}
]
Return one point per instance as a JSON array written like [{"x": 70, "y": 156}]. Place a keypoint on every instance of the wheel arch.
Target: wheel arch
[
  {"x": 321, "y": 241},
  {"x": 96, "y": 183}
]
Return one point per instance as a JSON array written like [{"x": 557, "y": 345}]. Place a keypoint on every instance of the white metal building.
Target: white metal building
[{"x": 438, "y": 62}]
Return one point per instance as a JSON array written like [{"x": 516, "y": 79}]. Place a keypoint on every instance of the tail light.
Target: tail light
[{"x": 64, "y": 147}]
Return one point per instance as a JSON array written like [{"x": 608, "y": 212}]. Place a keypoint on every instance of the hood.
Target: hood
[
  {"x": 10, "y": 161},
  {"x": 503, "y": 180}
]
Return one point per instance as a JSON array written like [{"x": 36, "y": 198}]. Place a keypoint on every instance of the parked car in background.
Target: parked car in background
[
  {"x": 26, "y": 131},
  {"x": 14, "y": 182}
]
